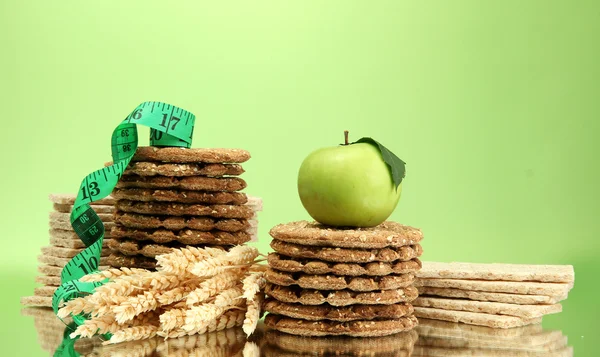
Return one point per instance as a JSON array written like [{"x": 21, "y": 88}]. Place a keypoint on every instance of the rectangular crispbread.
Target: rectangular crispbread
[
  {"x": 75, "y": 243},
  {"x": 61, "y": 262},
  {"x": 431, "y": 351},
  {"x": 524, "y": 311},
  {"x": 553, "y": 345},
  {"x": 66, "y": 217},
  {"x": 48, "y": 280},
  {"x": 97, "y": 208},
  {"x": 43, "y": 301},
  {"x": 502, "y": 272},
  {"x": 69, "y": 199},
  {"x": 474, "y": 318},
  {"x": 49, "y": 270},
  {"x": 490, "y": 296},
  {"x": 70, "y": 234},
  {"x": 513, "y": 287},
  {"x": 61, "y": 252}
]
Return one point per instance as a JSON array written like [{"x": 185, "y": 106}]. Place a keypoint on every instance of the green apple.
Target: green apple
[{"x": 348, "y": 185}]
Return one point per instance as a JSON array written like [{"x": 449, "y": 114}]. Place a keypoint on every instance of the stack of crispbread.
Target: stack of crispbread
[
  {"x": 175, "y": 197},
  {"x": 448, "y": 339},
  {"x": 64, "y": 245},
  {"x": 334, "y": 281},
  {"x": 493, "y": 295}
]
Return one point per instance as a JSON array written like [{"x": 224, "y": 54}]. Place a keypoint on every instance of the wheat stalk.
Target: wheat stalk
[{"x": 111, "y": 274}]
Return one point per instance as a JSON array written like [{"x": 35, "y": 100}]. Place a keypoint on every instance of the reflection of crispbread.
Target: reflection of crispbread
[
  {"x": 490, "y": 296},
  {"x": 119, "y": 260},
  {"x": 97, "y": 208},
  {"x": 354, "y": 328},
  {"x": 524, "y": 311},
  {"x": 196, "y": 155},
  {"x": 151, "y": 195},
  {"x": 283, "y": 263},
  {"x": 448, "y": 329},
  {"x": 44, "y": 301},
  {"x": 347, "y": 255},
  {"x": 193, "y": 183},
  {"x": 387, "y": 234},
  {"x": 502, "y": 272},
  {"x": 182, "y": 209},
  {"x": 474, "y": 318},
  {"x": 339, "y": 297},
  {"x": 432, "y": 351},
  {"x": 69, "y": 199},
  {"x": 513, "y": 287},
  {"x": 185, "y": 236},
  {"x": 336, "y": 282},
  {"x": 191, "y": 169},
  {"x": 505, "y": 345},
  {"x": 347, "y": 313},
  {"x": 133, "y": 220},
  {"x": 394, "y": 345}
]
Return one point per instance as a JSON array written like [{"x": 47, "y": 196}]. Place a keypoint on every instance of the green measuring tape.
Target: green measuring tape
[{"x": 169, "y": 126}]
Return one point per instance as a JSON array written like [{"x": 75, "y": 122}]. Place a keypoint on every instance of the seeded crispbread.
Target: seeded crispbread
[
  {"x": 185, "y": 236},
  {"x": 317, "y": 267},
  {"x": 119, "y": 260},
  {"x": 97, "y": 208},
  {"x": 490, "y": 296},
  {"x": 429, "y": 327},
  {"x": 474, "y": 318},
  {"x": 61, "y": 252},
  {"x": 333, "y": 328},
  {"x": 182, "y": 196},
  {"x": 337, "y": 282},
  {"x": 339, "y": 297},
  {"x": 347, "y": 255},
  {"x": 69, "y": 199},
  {"x": 147, "y": 249},
  {"x": 184, "y": 209},
  {"x": 347, "y": 313},
  {"x": 134, "y": 220},
  {"x": 524, "y": 311},
  {"x": 192, "y": 183},
  {"x": 397, "y": 345},
  {"x": 502, "y": 272},
  {"x": 43, "y": 301},
  {"x": 505, "y": 345},
  {"x": 195, "y": 155},
  {"x": 513, "y": 287},
  {"x": 387, "y": 234},
  {"x": 191, "y": 169}
]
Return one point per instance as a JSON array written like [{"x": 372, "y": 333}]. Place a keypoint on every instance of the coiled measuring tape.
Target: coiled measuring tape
[{"x": 169, "y": 126}]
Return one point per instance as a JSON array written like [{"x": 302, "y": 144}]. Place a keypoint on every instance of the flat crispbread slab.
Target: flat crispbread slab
[
  {"x": 97, "y": 208},
  {"x": 192, "y": 169},
  {"x": 185, "y": 236},
  {"x": 183, "y": 196},
  {"x": 474, "y": 318},
  {"x": 396, "y": 345},
  {"x": 74, "y": 243},
  {"x": 118, "y": 260},
  {"x": 317, "y": 267},
  {"x": 141, "y": 221},
  {"x": 46, "y": 291},
  {"x": 347, "y": 255},
  {"x": 341, "y": 314},
  {"x": 491, "y": 296},
  {"x": 387, "y": 234},
  {"x": 184, "y": 209},
  {"x": 512, "y": 287},
  {"x": 43, "y": 301},
  {"x": 431, "y": 351},
  {"x": 502, "y": 272},
  {"x": 505, "y": 345},
  {"x": 61, "y": 252},
  {"x": 448, "y": 329},
  {"x": 48, "y": 280},
  {"x": 66, "y": 226},
  {"x": 523, "y": 311},
  {"x": 297, "y": 295},
  {"x": 69, "y": 199},
  {"x": 61, "y": 262},
  {"x": 333, "y": 328},
  {"x": 195, "y": 155},
  {"x": 131, "y": 247},
  {"x": 66, "y": 217},
  {"x": 49, "y": 270},
  {"x": 191, "y": 183},
  {"x": 336, "y": 282},
  {"x": 70, "y": 234}
]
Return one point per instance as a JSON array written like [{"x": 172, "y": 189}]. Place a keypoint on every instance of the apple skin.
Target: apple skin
[{"x": 347, "y": 185}]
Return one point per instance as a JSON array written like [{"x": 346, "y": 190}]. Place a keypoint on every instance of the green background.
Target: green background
[{"x": 494, "y": 105}]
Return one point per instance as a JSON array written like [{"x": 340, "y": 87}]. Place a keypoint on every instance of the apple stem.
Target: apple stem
[{"x": 345, "y": 137}]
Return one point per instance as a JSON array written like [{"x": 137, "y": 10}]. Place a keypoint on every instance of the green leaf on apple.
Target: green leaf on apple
[{"x": 397, "y": 166}]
